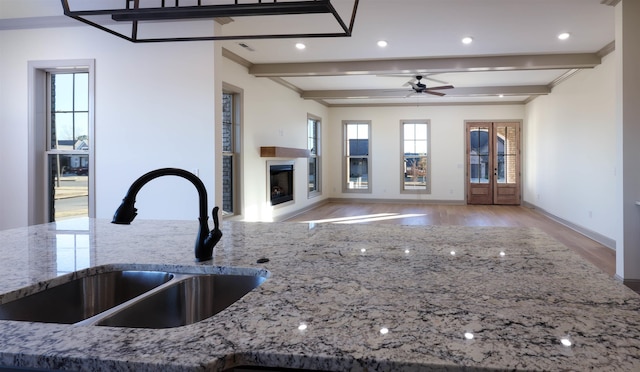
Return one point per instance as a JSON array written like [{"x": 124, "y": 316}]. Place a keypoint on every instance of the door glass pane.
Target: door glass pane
[
  {"x": 479, "y": 155},
  {"x": 69, "y": 180},
  {"x": 506, "y": 152}
]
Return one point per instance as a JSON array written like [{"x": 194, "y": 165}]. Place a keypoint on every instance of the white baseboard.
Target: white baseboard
[
  {"x": 604, "y": 240},
  {"x": 396, "y": 201},
  {"x": 286, "y": 216}
]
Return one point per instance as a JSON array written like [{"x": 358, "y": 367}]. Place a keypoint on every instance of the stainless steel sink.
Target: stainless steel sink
[
  {"x": 83, "y": 298},
  {"x": 189, "y": 300},
  {"x": 134, "y": 298}
]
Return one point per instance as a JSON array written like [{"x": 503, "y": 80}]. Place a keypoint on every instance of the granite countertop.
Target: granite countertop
[{"x": 372, "y": 298}]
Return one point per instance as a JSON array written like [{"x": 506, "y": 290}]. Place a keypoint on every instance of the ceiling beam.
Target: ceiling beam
[
  {"x": 428, "y": 65},
  {"x": 469, "y": 91}
]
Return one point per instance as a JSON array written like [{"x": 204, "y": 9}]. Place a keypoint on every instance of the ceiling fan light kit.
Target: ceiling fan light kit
[{"x": 164, "y": 20}]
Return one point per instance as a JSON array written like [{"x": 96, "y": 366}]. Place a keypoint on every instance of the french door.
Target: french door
[{"x": 493, "y": 162}]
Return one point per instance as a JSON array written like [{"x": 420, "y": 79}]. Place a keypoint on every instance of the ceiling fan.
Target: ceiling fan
[{"x": 419, "y": 87}]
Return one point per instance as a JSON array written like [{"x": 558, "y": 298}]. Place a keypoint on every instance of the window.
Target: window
[
  {"x": 61, "y": 127},
  {"x": 231, "y": 128},
  {"x": 415, "y": 156},
  {"x": 357, "y": 144},
  {"x": 68, "y": 144},
  {"x": 313, "y": 144}
]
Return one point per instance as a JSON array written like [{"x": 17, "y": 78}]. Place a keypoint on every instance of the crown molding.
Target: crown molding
[
  {"x": 610, "y": 2},
  {"x": 562, "y": 78}
]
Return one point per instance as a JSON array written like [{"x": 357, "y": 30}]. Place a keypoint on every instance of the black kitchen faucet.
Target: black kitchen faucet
[{"x": 206, "y": 240}]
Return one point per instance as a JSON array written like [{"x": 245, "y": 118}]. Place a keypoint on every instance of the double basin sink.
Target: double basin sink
[{"x": 134, "y": 298}]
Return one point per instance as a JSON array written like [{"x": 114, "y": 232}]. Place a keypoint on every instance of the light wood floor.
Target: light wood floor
[{"x": 463, "y": 215}]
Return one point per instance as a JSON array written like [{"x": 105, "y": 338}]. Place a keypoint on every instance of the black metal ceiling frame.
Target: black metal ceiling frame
[{"x": 135, "y": 14}]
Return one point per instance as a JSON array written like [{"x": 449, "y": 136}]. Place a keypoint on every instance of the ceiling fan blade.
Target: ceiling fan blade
[
  {"x": 441, "y": 87},
  {"x": 434, "y": 93},
  {"x": 411, "y": 83},
  {"x": 434, "y": 80},
  {"x": 414, "y": 74}
]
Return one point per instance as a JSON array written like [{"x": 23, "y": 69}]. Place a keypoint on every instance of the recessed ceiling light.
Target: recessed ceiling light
[
  {"x": 564, "y": 36},
  {"x": 382, "y": 43},
  {"x": 300, "y": 46},
  {"x": 467, "y": 40}
]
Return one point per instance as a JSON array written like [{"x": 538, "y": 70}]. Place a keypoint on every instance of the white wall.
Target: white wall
[
  {"x": 570, "y": 150},
  {"x": 273, "y": 116},
  {"x": 154, "y": 108},
  {"x": 447, "y": 147}
]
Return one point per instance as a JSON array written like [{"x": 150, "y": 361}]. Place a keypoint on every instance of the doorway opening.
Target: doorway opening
[{"x": 493, "y": 163}]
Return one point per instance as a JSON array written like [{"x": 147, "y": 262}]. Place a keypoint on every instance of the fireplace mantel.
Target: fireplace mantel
[{"x": 283, "y": 152}]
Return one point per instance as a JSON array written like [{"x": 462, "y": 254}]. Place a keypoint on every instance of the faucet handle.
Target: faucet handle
[
  {"x": 214, "y": 215},
  {"x": 216, "y": 233},
  {"x": 205, "y": 245}
]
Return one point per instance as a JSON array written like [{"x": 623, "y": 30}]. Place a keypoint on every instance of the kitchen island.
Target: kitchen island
[{"x": 338, "y": 298}]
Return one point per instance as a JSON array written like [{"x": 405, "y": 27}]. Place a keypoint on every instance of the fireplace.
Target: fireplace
[{"x": 280, "y": 187}]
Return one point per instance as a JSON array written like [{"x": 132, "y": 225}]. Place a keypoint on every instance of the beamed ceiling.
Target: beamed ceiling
[{"x": 515, "y": 54}]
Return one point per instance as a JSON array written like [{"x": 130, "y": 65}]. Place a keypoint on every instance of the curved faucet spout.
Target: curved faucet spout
[{"x": 206, "y": 240}]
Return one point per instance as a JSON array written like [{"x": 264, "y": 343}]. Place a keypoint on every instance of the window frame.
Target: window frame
[
  {"x": 39, "y": 136},
  {"x": 427, "y": 187},
  {"x": 347, "y": 157},
  {"x": 317, "y": 156}
]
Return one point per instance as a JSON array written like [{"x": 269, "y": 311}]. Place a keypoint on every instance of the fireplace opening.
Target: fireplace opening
[{"x": 280, "y": 183}]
